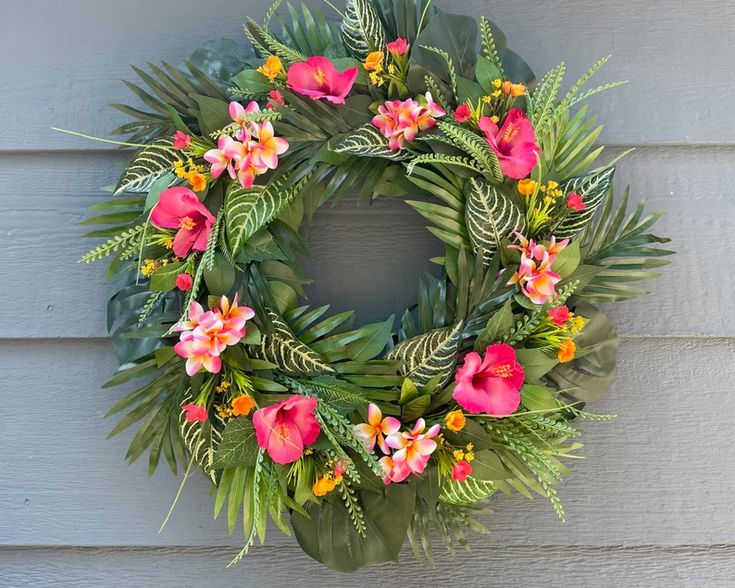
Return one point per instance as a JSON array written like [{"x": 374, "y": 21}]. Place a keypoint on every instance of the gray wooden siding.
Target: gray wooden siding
[{"x": 652, "y": 506}]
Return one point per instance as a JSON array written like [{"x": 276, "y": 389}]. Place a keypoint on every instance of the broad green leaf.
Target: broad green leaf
[
  {"x": 567, "y": 260},
  {"x": 486, "y": 72},
  {"x": 535, "y": 362},
  {"x": 488, "y": 467},
  {"x": 238, "y": 446},
  {"x": 252, "y": 82},
  {"x": 147, "y": 166},
  {"x": 491, "y": 216},
  {"x": 220, "y": 277},
  {"x": 362, "y": 31},
  {"x": 429, "y": 355},
  {"x": 416, "y": 407},
  {"x": 368, "y": 141},
  {"x": 589, "y": 376},
  {"x": 537, "y": 397},
  {"x": 164, "y": 278},
  {"x": 213, "y": 113},
  {"x": 498, "y": 326},
  {"x": 201, "y": 439},
  {"x": 330, "y": 537},
  {"x": 456, "y": 34}
]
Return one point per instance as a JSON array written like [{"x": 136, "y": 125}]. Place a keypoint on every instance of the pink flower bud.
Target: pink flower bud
[
  {"x": 461, "y": 470},
  {"x": 462, "y": 114},
  {"x": 575, "y": 202},
  {"x": 181, "y": 140},
  {"x": 398, "y": 47},
  {"x": 195, "y": 412},
  {"x": 184, "y": 282}
]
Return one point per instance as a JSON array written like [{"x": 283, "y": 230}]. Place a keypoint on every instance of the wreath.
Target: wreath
[{"x": 365, "y": 436}]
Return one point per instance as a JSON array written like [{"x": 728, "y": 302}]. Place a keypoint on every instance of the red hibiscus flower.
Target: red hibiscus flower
[{"x": 318, "y": 78}]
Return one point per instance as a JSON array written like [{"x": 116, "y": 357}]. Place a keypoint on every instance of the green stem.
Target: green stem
[
  {"x": 178, "y": 493},
  {"x": 100, "y": 139}
]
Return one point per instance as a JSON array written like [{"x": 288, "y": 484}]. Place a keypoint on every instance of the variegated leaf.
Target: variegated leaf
[
  {"x": 362, "y": 31},
  {"x": 367, "y": 141},
  {"x": 466, "y": 493},
  {"x": 491, "y": 216},
  {"x": 201, "y": 439},
  {"x": 592, "y": 188},
  {"x": 147, "y": 166},
  {"x": 247, "y": 210},
  {"x": 282, "y": 348},
  {"x": 429, "y": 355}
]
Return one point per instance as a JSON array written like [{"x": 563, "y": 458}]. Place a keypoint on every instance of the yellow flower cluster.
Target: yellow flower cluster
[
  {"x": 576, "y": 324},
  {"x": 223, "y": 386},
  {"x": 467, "y": 455},
  {"x": 551, "y": 192},
  {"x": 224, "y": 412},
  {"x": 192, "y": 173}
]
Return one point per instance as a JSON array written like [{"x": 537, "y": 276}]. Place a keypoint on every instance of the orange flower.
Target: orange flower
[
  {"x": 374, "y": 61},
  {"x": 242, "y": 405},
  {"x": 198, "y": 181},
  {"x": 517, "y": 90},
  {"x": 271, "y": 68},
  {"x": 566, "y": 351},
  {"x": 455, "y": 420},
  {"x": 323, "y": 486},
  {"x": 527, "y": 187},
  {"x": 507, "y": 84}
]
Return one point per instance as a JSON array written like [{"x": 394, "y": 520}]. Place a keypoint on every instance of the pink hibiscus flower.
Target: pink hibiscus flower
[
  {"x": 514, "y": 143},
  {"x": 179, "y": 208},
  {"x": 284, "y": 429},
  {"x": 490, "y": 384},
  {"x": 318, "y": 78}
]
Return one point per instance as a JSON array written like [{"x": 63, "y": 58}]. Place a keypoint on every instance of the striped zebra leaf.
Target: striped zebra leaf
[
  {"x": 429, "y": 355},
  {"x": 201, "y": 439},
  {"x": 362, "y": 31},
  {"x": 592, "y": 188},
  {"x": 367, "y": 141},
  {"x": 247, "y": 210},
  {"x": 466, "y": 493},
  {"x": 491, "y": 216},
  {"x": 147, "y": 166},
  {"x": 282, "y": 348}
]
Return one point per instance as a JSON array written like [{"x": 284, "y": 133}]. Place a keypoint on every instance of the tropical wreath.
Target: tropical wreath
[{"x": 365, "y": 436}]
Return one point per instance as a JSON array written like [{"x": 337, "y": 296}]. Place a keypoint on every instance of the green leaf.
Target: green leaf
[
  {"x": 330, "y": 537},
  {"x": 221, "y": 276},
  {"x": 589, "y": 376},
  {"x": 362, "y": 31},
  {"x": 491, "y": 216},
  {"x": 567, "y": 260},
  {"x": 238, "y": 446},
  {"x": 415, "y": 408},
  {"x": 372, "y": 343},
  {"x": 291, "y": 355},
  {"x": 535, "y": 362},
  {"x": 164, "y": 278},
  {"x": 201, "y": 439},
  {"x": 487, "y": 466},
  {"x": 486, "y": 72},
  {"x": 368, "y": 141},
  {"x": 156, "y": 188},
  {"x": 592, "y": 188},
  {"x": 456, "y": 34},
  {"x": 498, "y": 326},
  {"x": 147, "y": 166},
  {"x": 429, "y": 355},
  {"x": 466, "y": 493},
  {"x": 247, "y": 210},
  {"x": 537, "y": 397},
  {"x": 472, "y": 432},
  {"x": 252, "y": 82},
  {"x": 213, "y": 113}
]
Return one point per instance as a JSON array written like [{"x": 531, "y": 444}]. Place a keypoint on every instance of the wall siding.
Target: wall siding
[{"x": 652, "y": 504}]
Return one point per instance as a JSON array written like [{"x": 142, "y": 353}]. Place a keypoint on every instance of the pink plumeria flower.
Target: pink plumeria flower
[
  {"x": 219, "y": 157},
  {"x": 377, "y": 429},
  {"x": 400, "y": 121},
  {"x": 268, "y": 147},
  {"x": 414, "y": 447},
  {"x": 395, "y": 471},
  {"x": 241, "y": 117},
  {"x": 196, "y": 357}
]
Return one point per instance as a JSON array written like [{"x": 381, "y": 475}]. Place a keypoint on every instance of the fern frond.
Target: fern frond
[
  {"x": 489, "y": 49},
  {"x": 128, "y": 238}
]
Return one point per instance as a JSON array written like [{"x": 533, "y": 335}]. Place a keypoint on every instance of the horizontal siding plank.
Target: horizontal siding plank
[
  {"x": 369, "y": 257},
  {"x": 68, "y": 77},
  {"x": 494, "y": 565},
  {"x": 654, "y": 476}
]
